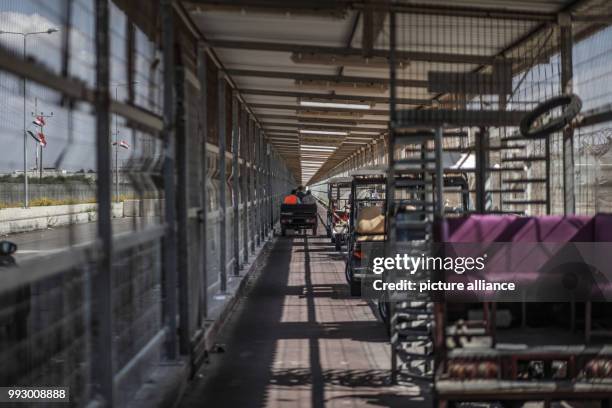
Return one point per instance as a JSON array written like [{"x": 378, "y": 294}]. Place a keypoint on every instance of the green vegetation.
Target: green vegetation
[
  {"x": 46, "y": 201},
  {"x": 73, "y": 178}
]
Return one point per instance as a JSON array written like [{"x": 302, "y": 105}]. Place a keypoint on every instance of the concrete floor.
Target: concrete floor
[{"x": 299, "y": 340}]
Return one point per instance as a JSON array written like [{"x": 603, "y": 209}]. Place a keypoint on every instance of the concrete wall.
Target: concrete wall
[{"x": 14, "y": 220}]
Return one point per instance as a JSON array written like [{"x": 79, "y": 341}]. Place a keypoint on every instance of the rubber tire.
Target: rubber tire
[
  {"x": 338, "y": 245},
  {"x": 347, "y": 272},
  {"x": 329, "y": 233},
  {"x": 355, "y": 288},
  {"x": 572, "y": 104},
  {"x": 383, "y": 312}
]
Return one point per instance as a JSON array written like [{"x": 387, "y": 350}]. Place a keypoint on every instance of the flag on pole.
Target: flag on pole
[
  {"x": 43, "y": 141},
  {"x": 39, "y": 121},
  {"x": 38, "y": 137},
  {"x": 123, "y": 144}
]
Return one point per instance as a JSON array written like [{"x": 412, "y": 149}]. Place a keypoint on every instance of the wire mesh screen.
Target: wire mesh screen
[
  {"x": 49, "y": 198},
  {"x": 478, "y": 77}
]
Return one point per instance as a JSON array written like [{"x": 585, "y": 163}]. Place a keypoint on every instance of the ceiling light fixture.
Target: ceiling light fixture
[
  {"x": 324, "y": 132},
  {"x": 304, "y": 147},
  {"x": 339, "y": 105}
]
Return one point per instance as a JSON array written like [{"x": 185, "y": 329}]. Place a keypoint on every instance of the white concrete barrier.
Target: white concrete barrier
[
  {"x": 14, "y": 220},
  {"x": 148, "y": 207}
]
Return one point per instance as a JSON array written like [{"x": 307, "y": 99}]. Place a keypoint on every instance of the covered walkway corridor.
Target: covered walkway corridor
[
  {"x": 147, "y": 146},
  {"x": 298, "y": 339}
]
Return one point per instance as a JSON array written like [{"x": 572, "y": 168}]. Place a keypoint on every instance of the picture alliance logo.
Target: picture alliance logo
[{"x": 413, "y": 264}]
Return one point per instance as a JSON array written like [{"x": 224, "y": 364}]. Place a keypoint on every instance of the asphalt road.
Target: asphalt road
[{"x": 44, "y": 242}]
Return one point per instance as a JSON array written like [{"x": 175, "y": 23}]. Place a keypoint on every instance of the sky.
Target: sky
[{"x": 70, "y": 135}]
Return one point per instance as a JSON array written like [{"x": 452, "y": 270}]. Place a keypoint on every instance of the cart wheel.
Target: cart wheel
[
  {"x": 314, "y": 231},
  {"x": 338, "y": 245},
  {"x": 283, "y": 232},
  {"x": 329, "y": 234},
  {"x": 383, "y": 311},
  {"x": 355, "y": 288},
  {"x": 347, "y": 272}
]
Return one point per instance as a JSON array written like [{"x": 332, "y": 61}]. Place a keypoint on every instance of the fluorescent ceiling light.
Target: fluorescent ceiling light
[
  {"x": 307, "y": 147},
  {"x": 321, "y": 104},
  {"x": 324, "y": 132},
  {"x": 317, "y": 151},
  {"x": 320, "y": 146}
]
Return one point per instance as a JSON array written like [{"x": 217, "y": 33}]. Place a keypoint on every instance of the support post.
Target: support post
[
  {"x": 257, "y": 188},
  {"x": 102, "y": 317},
  {"x": 202, "y": 75},
  {"x": 235, "y": 187},
  {"x": 243, "y": 179},
  {"x": 566, "y": 43},
  {"x": 270, "y": 189},
  {"x": 181, "y": 209},
  {"x": 169, "y": 244},
  {"x": 251, "y": 138},
  {"x": 482, "y": 162},
  {"x": 222, "y": 183}
]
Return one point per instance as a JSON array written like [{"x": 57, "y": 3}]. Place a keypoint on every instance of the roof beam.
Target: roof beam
[
  {"x": 373, "y": 23},
  {"x": 349, "y": 51},
  {"x": 299, "y": 76},
  {"x": 339, "y": 8},
  {"x": 373, "y": 112},
  {"x": 308, "y": 119},
  {"x": 339, "y": 97},
  {"x": 333, "y": 8},
  {"x": 334, "y": 126}
]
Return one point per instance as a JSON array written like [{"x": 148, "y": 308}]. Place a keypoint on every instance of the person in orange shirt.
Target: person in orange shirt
[{"x": 292, "y": 198}]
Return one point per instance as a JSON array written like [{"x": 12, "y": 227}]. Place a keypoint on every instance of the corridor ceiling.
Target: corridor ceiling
[{"x": 290, "y": 58}]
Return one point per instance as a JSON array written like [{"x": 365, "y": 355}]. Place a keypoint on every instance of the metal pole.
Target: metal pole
[
  {"x": 116, "y": 151},
  {"x": 169, "y": 245},
  {"x": 183, "y": 250},
  {"x": 244, "y": 143},
  {"x": 202, "y": 70},
  {"x": 102, "y": 312},
  {"x": 222, "y": 183},
  {"x": 25, "y": 137},
  {"x": 235, "y": 186},
  {"x": 566, "y": 43},
  {"x": 252, "y": 185}
]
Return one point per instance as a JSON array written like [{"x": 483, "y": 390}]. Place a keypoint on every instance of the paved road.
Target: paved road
[
  {"x": 44, "y": 242},
  {"x": 299, "y": 340}
]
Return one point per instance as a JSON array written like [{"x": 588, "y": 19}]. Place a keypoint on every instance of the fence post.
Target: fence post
[
  {"x": 169, "y": 245},
  {"x": 222, "y": 183},
  {"x": 235, "y": 186},
  {"x": 252, "y": 185},
  {"x": 244, "y": 143},
  {"x": 181, "y": 208},
  {"x": 202, "y": 79},
  {"x": 102, "y": 311}
]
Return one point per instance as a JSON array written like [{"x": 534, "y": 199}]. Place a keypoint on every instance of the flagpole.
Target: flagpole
[
  {"x": 116, "y": 150},
  {"x": 40, "y": 146},
  {"x": 117, "y": 85}
]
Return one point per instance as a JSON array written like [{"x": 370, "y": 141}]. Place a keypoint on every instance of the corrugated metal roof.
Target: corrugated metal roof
[{"x": 452, "y": 34}]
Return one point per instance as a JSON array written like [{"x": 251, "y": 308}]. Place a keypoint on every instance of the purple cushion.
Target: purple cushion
[
  {"x": 603, "y": 227},
  {"x": 496, "y": 228}
]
